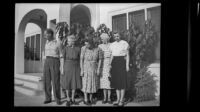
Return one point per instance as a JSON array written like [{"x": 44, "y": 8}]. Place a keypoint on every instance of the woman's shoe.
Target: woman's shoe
[
  {"x": 116, "y": 103},
  {"x": 67, "y": 104},
  {"x": 74, "y": 102},
  {"x": 121, "y": 104},
  {"x": 104, "y": 101},
  {"x": 86, "y": 102},
  {"x": 109, "y": 102},
  {"x": 90, "y": 102},
  {"x": 93, "y": 101}
]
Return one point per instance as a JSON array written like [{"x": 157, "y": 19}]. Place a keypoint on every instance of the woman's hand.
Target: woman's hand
[
  {"x": 127, "y": 68},
  {"x": 82, "y": 74},
  {"x": 61, "y": 70},
  {"x": 109, "y": 66},
  {"x": 98, "y": 72}
]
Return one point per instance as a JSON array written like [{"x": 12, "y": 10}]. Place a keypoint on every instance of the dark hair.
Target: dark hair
[
  {"x": 119, "y": 33},
  {"x": 115, "y": 32},
  {"x": 90, "y": 41},
  {"x": 49, "y": 30}
]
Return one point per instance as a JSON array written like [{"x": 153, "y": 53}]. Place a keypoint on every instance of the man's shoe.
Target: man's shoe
[{"x": 47, "y": 101}]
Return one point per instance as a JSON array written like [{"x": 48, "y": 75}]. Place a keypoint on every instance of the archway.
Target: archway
[
  {"x": 36, "y": 16},
  {"x": 80, "y": 14}
]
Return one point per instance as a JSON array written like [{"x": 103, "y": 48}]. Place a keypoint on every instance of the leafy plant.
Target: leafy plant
[
  {"x": 62, "y": 28},
  {"x": 145, "y": 86},
  {"x": 142, "y": 49},
  {"x": 145, "y": 55}
]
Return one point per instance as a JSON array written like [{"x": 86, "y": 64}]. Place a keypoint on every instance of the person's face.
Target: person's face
[
  {"x": 117, "y": 37},
  {"x": 70, "y": 43},
  {"x": 48, "y": 35},
  {"x": 104, "y": 41},
  {"x": 87, "y": 44}
]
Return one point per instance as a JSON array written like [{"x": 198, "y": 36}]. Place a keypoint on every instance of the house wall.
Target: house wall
[{"x": 100, "y": 13}]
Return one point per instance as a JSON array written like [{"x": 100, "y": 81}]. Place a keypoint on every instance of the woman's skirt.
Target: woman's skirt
[
  {"x": 105, "y": 73},
  {"x": 90, "y": 80},
  {"x": 71, "y": 78},
  {"x": 118, "y": 73}
]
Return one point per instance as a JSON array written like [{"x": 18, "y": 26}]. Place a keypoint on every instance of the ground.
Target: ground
[{"x": 24, "y": 100}]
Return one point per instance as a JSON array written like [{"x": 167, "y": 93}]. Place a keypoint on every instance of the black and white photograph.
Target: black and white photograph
[{"x": 87, "y": 54}]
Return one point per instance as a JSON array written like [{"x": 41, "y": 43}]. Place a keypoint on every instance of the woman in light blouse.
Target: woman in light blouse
[{"x": 119, "y": 67}]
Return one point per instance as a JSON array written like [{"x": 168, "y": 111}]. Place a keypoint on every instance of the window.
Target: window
[
  {"x": 119, "y": 23},
  {"x": 37, "y": 52},
  {"x": 155, "y": 15},
  {"x": 138, "y": 17},
  {"x": 32, "y": 47},
  {"x": 32, "y": 50}
]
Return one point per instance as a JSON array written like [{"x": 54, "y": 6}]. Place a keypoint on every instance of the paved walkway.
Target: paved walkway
[{"x": 24, "y": 100}]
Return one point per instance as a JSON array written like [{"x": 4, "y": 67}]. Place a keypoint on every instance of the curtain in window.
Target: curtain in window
[
  {"x": 138, "y": 17},
  {"x": 119, "y": 23},
  {"x": 32, "y": 47},
  {"x": 155, "y": 14},
  {"x": 37, "y": 47}
]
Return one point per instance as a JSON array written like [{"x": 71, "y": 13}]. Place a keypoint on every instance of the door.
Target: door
[{"x": 33, "y": 62}]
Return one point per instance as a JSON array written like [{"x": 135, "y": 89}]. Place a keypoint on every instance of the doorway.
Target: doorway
[{"x": 38, "y": 17}]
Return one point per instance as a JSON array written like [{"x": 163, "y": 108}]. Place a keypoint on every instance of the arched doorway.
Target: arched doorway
[
  {"x": 32, "y": 53},
  {"x": 80, "y": 14},
  {"x": 38, "y": 17}
]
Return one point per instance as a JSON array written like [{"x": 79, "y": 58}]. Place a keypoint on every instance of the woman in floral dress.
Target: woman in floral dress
[
  {"x": 90, "y": 68},
  {"x": 105, "y": 68}
]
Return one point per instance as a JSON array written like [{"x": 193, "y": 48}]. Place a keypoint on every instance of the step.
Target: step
[
  {"x": 28, "y": 91},
  {"x": 30, "y": 76},
  {"x": 30, "y": 84}
]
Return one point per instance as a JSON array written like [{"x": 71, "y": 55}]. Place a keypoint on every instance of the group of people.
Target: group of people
[{"x": 88, "y": 68}]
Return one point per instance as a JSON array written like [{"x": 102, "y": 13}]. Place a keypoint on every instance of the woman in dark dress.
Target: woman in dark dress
[{"x": 71, "y": 69}]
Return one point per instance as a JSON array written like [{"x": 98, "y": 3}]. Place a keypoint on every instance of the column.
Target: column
[
  {"x": 64, "y": 13},
  {"x": 127, "y": 22}
]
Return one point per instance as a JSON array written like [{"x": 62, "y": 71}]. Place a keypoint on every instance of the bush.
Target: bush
[{"x": 145, "y": 86}]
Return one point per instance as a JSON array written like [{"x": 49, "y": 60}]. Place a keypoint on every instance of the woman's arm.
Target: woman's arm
[
  {"x": 81, "y": 60},
  {"x": 127, "y": 60},
  {"x": 99, "y": 62},
  {"x": 99, "y": 66},
  {"x": 111, "y": 58}
]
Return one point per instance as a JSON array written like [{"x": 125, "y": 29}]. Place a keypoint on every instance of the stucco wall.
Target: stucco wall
[{"x": 21, "y": 9}]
